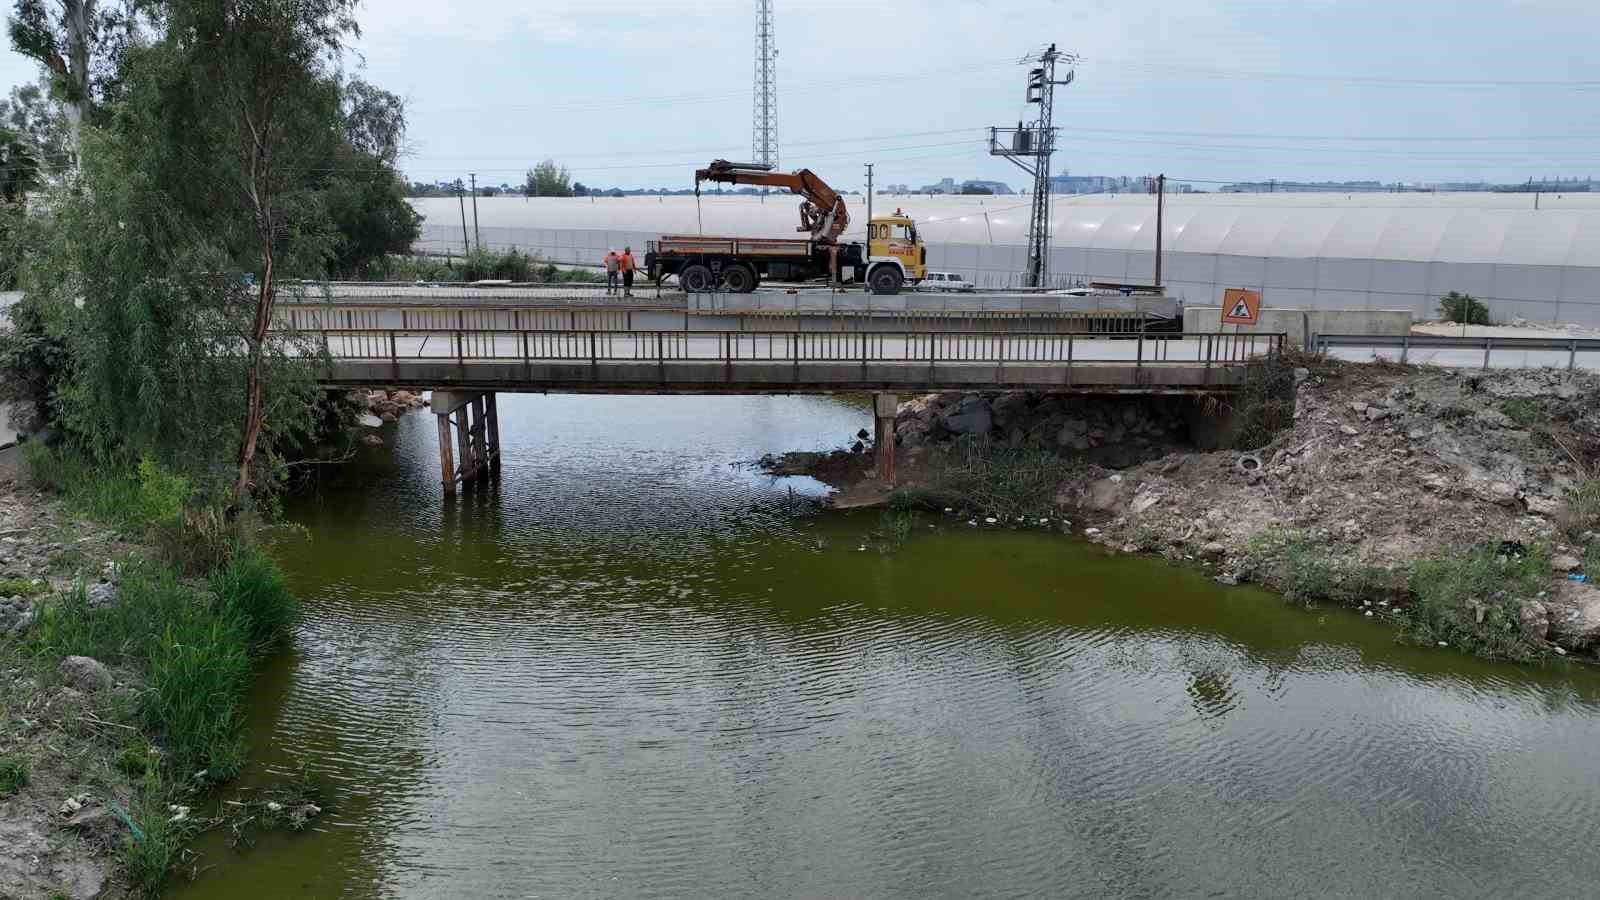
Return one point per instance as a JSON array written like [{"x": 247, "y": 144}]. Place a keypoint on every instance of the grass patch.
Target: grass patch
[
  {"x": 1312, "y": 576},
  {"x": 895, "y": 527},
  {"x": 1473, "y": 600},
  {"x": 13, "y": 773},
  {"x": 1580, "y": 512},
  {"x": 1524, "y": 412},
  {"x": 145, "y": 501},
  {"x": 194, "y": 649},
  {"x": 21, "y": 587},
  {"x": 977, "y": 477},
  {"x": 1263, "y": 405}
]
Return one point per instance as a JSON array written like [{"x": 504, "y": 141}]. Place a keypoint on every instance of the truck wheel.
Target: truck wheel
[
  {"x": 739, "y": 279},
  {"x": 886, "y": 280},
  {"x": 697, "y": 279}
]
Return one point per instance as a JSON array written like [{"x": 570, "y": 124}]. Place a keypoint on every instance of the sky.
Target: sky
[{"x": 1206, "y": 91}]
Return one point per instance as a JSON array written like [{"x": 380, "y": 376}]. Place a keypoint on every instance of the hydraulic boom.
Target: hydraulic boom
[{"x": 822, "y": 212}]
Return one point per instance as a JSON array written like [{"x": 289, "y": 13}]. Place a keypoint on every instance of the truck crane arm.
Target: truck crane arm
[{"x": 822, "y": 212}]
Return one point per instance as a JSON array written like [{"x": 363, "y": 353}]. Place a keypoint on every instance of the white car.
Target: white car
[{"x": 945, "y": 281}]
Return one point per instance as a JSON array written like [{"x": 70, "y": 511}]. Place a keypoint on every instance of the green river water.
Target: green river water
[{"x": 632, "y": 669}]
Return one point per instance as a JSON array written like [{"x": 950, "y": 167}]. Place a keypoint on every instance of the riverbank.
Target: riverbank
[
  {"x": 1463, "y": 507},
  {"x": 121, "y": 678}
]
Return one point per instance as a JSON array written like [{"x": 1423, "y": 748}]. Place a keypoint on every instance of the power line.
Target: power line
[{"x": 1357, "y": 80}]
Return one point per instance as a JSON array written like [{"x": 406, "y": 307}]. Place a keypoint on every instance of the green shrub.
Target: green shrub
[
  {"x": 13, "y": 773},
  {"x": 1522, "y": 411},
  {"x": 1473, "y": 600},
  {"x": 511, "y": 265},
  {"x": 976, "y": 476},
  {"x": 1263, "y": 405},
  {"x": 252, "y": 589},
  {"x": 197, "y": 676},
  {"x": 1464, "y": 309}
]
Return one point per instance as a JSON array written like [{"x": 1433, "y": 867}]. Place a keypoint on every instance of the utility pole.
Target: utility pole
[
  {"x": 1036, "y": 141},
  {"x": 1161, "y": 204},
  {"x": 466, "y": 245},
  {"x": 478, "y": 238},
  {"x": 869, "y": 209}
]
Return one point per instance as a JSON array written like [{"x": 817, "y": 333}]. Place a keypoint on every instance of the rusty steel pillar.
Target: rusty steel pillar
[{"x": 883, "y": 410}]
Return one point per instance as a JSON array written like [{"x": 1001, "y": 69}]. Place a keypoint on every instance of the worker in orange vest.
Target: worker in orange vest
[
  {"x": 628, "y": 267},
  {"x": 613, "y": 265}
]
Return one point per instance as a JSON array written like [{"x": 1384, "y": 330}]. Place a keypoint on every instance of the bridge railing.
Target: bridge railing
[{"x": 931, "y": 348}]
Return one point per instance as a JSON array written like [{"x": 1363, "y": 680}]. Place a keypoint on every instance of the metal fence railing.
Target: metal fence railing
[
  {"x": 1559, "y": 352},
  {"x": 463, "y": 346}
]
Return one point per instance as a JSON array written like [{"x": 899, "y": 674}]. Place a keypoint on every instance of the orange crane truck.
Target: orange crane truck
[{"x": 893, "y": 256}]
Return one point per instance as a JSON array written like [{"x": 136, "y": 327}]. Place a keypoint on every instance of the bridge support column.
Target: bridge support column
[
  {"x": 883, "y": 410},
  {"x": 473, "y": 416},
  {"x": 492, "y": 420},
  {"x": 447, "y": 462}
]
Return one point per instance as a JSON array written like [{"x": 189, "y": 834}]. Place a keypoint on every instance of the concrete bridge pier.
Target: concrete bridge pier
[
  {"x": 473, "y": 418},
  {"x": 884, "y": 407}
]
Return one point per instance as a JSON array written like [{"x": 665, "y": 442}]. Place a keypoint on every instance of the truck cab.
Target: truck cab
[{"x": 896, "y": 255}]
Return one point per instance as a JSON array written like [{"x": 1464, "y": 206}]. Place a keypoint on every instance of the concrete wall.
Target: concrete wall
[
  {"x": 1568, "y": 294},
  {"x": 1299, "y": 322}
]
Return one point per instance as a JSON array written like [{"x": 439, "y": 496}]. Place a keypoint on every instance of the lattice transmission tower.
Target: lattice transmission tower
[
  {"x": 764, "y": 139},
  {"x": 1030, "y": 146}
]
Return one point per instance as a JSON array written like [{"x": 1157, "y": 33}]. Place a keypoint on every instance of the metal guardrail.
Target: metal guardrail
[
  {"x": 378, "y": 316},
  {"x": 1487, "y": 343},
  {"x": 929, "y": 348}
]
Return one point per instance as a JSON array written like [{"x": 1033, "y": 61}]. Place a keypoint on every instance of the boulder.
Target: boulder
[
  {"x": 1575, "y": 615},
  {"x": 1563, "y": 563},
  {"x": 16, "y": 614},
  {"x": 1102, "y": 496},
  {"x": 85, "y": 674},
  {"x": 372, "y": 440},
  {"x": 370, "y": 421},
  {"x": 971, "y": 418},
  {"x": 1535, "y": 618},
  {"x": 100, "y": 594},
  {"x": 1143, "y": 502}
]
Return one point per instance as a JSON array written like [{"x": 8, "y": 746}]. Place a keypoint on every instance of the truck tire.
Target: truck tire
[
  {"x": 885, "y": 280},
  {"x": 739, "y": 279},
  {"x": 697, "y": 279}
]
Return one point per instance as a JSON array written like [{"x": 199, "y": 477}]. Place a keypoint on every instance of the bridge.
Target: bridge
[{"x": 466, "y": 354}]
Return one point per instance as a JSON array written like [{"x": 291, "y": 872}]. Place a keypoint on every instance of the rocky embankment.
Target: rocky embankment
[
  {"x": 51, "y": 843},
  {"x": 1382, "y": 467},
  {"x": 382, "y": 407}
]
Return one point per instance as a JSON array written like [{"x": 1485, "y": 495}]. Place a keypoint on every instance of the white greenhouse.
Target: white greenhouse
[{"x": 1536, "y": 258}]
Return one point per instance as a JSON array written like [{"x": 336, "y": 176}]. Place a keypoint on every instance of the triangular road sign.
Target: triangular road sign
[{"x": 1241, "y": 307}]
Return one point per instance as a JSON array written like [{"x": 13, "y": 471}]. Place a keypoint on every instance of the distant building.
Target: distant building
[
  {"x": 945, "y": 186},
  {"x": 976, "y": 186}
]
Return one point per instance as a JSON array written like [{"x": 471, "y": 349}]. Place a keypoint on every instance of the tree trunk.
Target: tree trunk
[
  {"x": 78, "y": 16},
  {"x": 254, "y": 415}
]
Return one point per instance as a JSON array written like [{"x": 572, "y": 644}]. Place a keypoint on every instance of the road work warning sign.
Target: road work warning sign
[{"x": 1241, "y": 307}]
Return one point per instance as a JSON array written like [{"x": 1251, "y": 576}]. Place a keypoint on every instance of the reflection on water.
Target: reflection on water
[{"x": 631, "y": 669}]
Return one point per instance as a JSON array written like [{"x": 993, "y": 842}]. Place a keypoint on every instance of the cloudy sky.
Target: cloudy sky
[{"x": 637, "y": 94}]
